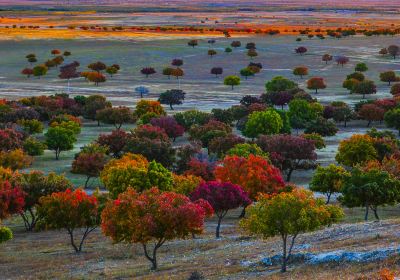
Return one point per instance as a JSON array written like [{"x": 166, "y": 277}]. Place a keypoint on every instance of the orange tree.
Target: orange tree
[
  {"x": 136, "y": 172},
  {"x": 152, "y": 217},
  {"x": 289, "y": 214},
  {"x": 69, "y": 210},
  {"x": 254, "y": 174}
]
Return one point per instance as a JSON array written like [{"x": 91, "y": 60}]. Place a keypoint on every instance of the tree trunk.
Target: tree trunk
[
  {"x": 289, "y": 175},
  {"x": 243, "y": 213},
  {"x": 218, "y": 227},
  {"x": 366, "y": 212},
  {"x": 153, "y": 258},
  {"x": 87, "y": 181},
  {"x": 170, "y": 105},
  {"x": 328, "y": 196},
  {"x": 375, "y": 210},
  {"x": 284, "y": 259}
]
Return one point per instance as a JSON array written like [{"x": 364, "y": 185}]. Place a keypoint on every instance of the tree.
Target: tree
[
  {"x": 178, "y": 72},
  {"x": 289, "y": 153},
  {"x": 326, "y": 58},
  {"x": 10, "y": 139},
  {"x": 321, "y": 126},
  {"x": 60, "y": 139},
  {"x": 211, "y": 53},
  {"x": 70, "y": 210},
  {"x": 152, "y": 216},
  {"x": 94, "y": 103},
  {"x": 185, "y": 184},
  {"x": 216, "y": 71},
  {"x": 189, "y": 118},
  {"x": 32, "y": 60},
  {"x": 12, "y": 199},
  {"x": 254, "y": 173},
  {"x": 97, "y": 66},
  {"x": 264, "y": 122},
  {"x": 350, "y": 84},
  {"x": 177, "y": 62},
  {"x": 288, "y": 215},
  {"x": 358, "y": 149},
  {"x": 36, "y": 184},
  {"x": 89, "y": 164},
  {"x": 393, "y": 50},
  {"x": 232, "y": 81},
  {"x": 142, "y": 90},
  {"x": 342, "y": 60},
  {"x": 222, "y": 196},
  {"x": 361, "y": 67},
  {"x": 193, "y": 43},
  {"x": 69, "y": 71},
  {"x": 111, "y": 70},
  {"x": 172, "y": 97},
  {"x": 301, "y": 50},
  {"x": 15, "y": 159},
  {"x": 251, "y": 46},
  {"x": 383, "y": 52},
  {"x": 149, "y": 106},
  {"x": 114, "y": 142},
  {"x": 167, "y": 71},
  {"x": 246, "y": 72},
  {"x": 252, "y": 53},
  {"x": 27, "y": 72},
  {"x": 245, "y": 150},
  {"x": 364, "y": 88},
  {"x": 55, "y": 52},
  {"x": 389, "y": 77},
  {"x": 370, "y": 189},
  {"x": 212, "y": 129},
  {"x": 300, "y": 71},
  {"x": 151, "y": 142},
  {"x": 116, "y": 116},
  {"x": 170, "y": 126},
  {"x": 328, "y": 180},
  {"x": 228, "y": 50},
  {"x": 134, "y": 171},
  {"x": 148, "y": 71},
  {"x": 371, "y": 112},
  {"x": 280, "y": 98},
  {"x": 220, "y": 145},
  {"x": 395, "y": 89},
  {"x": 316, "y": 83},
  {"x": 33, "y": 147},
  {"x": 40, "y": 70},
  {"x": 96, "y": 78},
  {"x": 392, "y": 119},
  {"x": 280, "y": 83},
  {"x": 301, "y": 113},
  {"x": 236, "y": 44},
  {"x": 342, "y": 112},
  {"x": 356, "y": 75}
]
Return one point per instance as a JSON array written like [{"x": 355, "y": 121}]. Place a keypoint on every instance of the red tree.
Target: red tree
[
  {"x": 115, "y": 141},
  {"x": 316, "y": 83},
  {"x": 12, "y": 200},
  {"x": 10, "y": 139},
  {"x": 371, "y": 112},
  {"x": 222, "y": 196},
  {"x": 152, "y": 216},
  {"x": 301, "y": 50},
  {"x": 89, "y": 164},
  {"x": 170, "y": 126}
]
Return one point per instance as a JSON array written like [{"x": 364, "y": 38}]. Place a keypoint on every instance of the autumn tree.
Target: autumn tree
[
  {"x": 216, "y": 71},
  {"x": 170, "y": 126},
  {"x": 254, "y": 173},
  {"x": 193, "y": 43},
  {"x": 301, "y": 50},
  {"x": 358, "y": 149},
  {"x": 97, "y": 66},
  {"x": 383, "y": 51},
  {"x": 252, "y": 53},
  {"x": 365, "y": 87},
  {"x": 370, "y": 189},
  {"x": 116, "y": 116},
  {"x": 389, "y": 77},
  {"x": 152, "y": 217},
  {"x": 289, "y": 153},
  {"x": 393, "y": 50},
  {"x": 147, "y": 71},
  {"x": 222, "y": 196},
  {"x": 211, "y": 53},
  {"x": 246, "y": 72},
  {"x": 89, "y": 164},
  {"x": 172, "y": 97},
  {"x": 212, "y": 129},
  {"x": 321, "y": 126},
  {"x": 280, "y": 98},
  {"x": 395, "y": 89},
  {"x": 300, "y": 71},
  {"x": 114, "y": 142},
  {"x": 342, "y": 60},
  {"x": 342, "y": 112},
  {"x": 371, "y": 112},
  {"x": 148, "y": 106},
  {"x": 236, "y": 44},
  {"x": 69, "y": 71},
  {"x": 289, "y": 214},
  {"x": 40, "y": 70},
  {"x": 328, "y": 180},
  {"x": 192, "y": 117},
  {"x": 326, "y": 58},
  {"x": 96, "y": 78},
  {"x": 264, "y": 122},
  {"x": 94, "y": 103},
  {"x": 280, "y": 83},
  {"x": 221, "y": 144},
  {"x": 10, "y": 139},
  {"x": 36, "y": 184},
  {"x": 316, "y": 83},
  {"x": 111, "y": 70},
  {"x": 246, "y": 149},
  {"x": 70, "y": 210},
  {"x": 232, "y": 81},
  {"x": 27, "y": 72}
]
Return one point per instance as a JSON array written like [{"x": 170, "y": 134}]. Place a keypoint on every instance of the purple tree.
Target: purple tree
[
  {"x": 170, "y": 126},
  {"x": 281, "y": 98},
  {"x": 177, "y": 62},
  {"x": 148, "y": 71},
  {"x": 342, "y": 60},
  {"x": 301, "y": 50},
  {"x": 69, "y": 71},
  {"x": 217, "y": 71},
  {"x": 222, "y": 196}
]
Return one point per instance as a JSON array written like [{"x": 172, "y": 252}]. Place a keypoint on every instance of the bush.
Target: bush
[
  {"x": 321, "y": 126},
  {"x": 33, "y": 147}
]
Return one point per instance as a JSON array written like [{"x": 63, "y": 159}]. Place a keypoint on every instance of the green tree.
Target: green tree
[
  {"x": 361, "y": 67},
  {"x": 60, "y": 139},
  {"x": 392, "y": 119},
  {"x": 301, "y": 113},
  {"x": 246, "y": 72},
  {"x": 288, "y": 215},
  {"x": 279, "y": 83},
  {"x": 40, "y": 70},
  {"x": 328, "y": 180},
  {"x": 232, "y": 81},
  {"x": 263, "y": 122},
  {"x": 358, "y": 149},
  {"x": 370, "y": 189}
]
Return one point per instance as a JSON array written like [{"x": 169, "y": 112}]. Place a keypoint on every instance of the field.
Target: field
[{"x": 236, "y": 255}]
